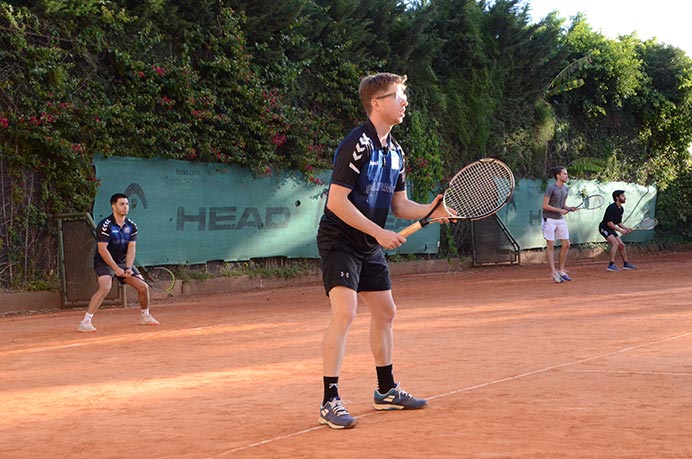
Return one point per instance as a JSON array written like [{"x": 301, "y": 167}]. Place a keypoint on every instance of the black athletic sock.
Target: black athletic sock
[
  {"x": 385, "y": 379},
  {"x": 331, "y": 388}
]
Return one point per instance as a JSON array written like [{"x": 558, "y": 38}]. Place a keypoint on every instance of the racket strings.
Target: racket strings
[
  {"x": 160, "y": 278},
  {"x": 594, "y": 202},
  {"x": 647, "y": 223},
  {"x": 480, "y": 189}
]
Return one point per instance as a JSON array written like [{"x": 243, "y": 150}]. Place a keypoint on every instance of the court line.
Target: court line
[
  {"x": 264, "y": 442},
  {"x": 467, "y": 389},
  {"x": 561, "y": 365},
  {"x": 632, "y": 372}
]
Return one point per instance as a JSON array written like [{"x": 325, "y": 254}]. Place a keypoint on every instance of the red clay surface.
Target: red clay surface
[{"x": 514, "y": 365}]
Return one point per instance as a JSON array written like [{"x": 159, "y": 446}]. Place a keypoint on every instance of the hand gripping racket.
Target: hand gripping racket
[
  {"x": 592, "y": 202},
  {"x": 476, "y": 191},
  {"x": 646, "y": 224}
]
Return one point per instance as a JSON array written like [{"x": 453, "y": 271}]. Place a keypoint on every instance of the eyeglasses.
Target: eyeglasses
[{"x": 399, "y": 94}]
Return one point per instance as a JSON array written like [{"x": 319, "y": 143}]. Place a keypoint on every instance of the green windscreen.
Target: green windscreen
[
  {"x": 191, "y": 213},
  {"x": 523, "y": 214}
]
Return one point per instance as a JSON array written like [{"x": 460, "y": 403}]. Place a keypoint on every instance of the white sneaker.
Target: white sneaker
[
  {"x": 86, "y": 327},
  {"x": 148, "y": 320},
  {"x": 557, "y": 277}
]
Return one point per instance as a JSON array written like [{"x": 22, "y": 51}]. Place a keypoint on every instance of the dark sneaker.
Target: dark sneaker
[
  {"x": 628, "y": 265},
  {"x": 398, "y": 399},
  {"x": 613, "y": 267},
  {"x": 564, "y": 276},
  {"x": 335, "y": 415}
]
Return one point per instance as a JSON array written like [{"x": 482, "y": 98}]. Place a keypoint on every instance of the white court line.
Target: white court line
[
  {"x": 282, "y": 437},
  {"x": 632, "y": 372},
  {"x": 466, "y": 389}
]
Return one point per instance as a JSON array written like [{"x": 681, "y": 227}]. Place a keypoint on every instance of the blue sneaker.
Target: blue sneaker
[
  {"x": 628, "y": 265},
  {"x": 564, "y": 276},
  {"x": 335, "y": 415},
  {"x": 398, "y": 399},
  {"x": 613, "y": 267}
]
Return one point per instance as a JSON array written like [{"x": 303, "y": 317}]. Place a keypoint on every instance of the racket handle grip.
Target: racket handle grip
[{"x": 410, "y": 229}]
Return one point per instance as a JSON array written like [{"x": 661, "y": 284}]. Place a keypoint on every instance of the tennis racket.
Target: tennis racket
[
  {"x": 478, "y": 190},
  {"x": 646, "y": 224},
  {"x": 592, "y": 202},
  {"x": 158, "y": 278}
]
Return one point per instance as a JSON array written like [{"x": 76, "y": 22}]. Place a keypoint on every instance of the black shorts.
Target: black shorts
[
  {"x": 607, "y": 232},
  {"x": 105, "y": 270},
  {"x": 340, "y": 268}
]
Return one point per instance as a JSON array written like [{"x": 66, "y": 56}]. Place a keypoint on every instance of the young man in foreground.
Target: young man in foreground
[{"x": 368, "y": 179}]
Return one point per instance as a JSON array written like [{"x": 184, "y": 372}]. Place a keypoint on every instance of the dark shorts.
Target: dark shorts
[
  {"x": 341, "y": 268},
  {"x": 105, "y": 270},
  {"x": 607, "y": 232}
]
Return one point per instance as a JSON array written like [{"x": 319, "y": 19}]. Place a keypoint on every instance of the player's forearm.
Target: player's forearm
[
  {"x": 108, "y": 259},
  {"x": 548, "y": 208},
  {"x": 349, "y": 214},
  {"x": 409, "y": 210},
  {"x": 130, "y": 256}
]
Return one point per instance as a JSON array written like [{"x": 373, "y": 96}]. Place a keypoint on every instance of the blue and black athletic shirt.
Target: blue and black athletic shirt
[
  {"x": 117, "y": 238},
  {"x": 373, "y": 173}
]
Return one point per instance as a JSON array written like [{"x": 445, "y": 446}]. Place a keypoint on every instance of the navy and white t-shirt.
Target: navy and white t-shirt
[
  {"x": 374, "y": 173},
  {"x": 117, "y": 237}
]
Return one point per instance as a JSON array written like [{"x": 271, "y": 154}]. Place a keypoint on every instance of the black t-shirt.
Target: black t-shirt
[
  {"x": 613, "y": 213},
  {"x": 373, "y": 173},
  {"x": 117, "y": 238}
]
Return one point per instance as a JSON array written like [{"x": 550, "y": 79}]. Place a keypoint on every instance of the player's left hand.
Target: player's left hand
[{"x": 440, "y": 212}]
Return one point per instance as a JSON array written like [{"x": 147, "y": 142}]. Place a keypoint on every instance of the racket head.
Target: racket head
[
  {"x": 647, "y": 224},
  {"x": 478, "y": 190},
  {"x": 592, "y": 202},
  {"x": 160, "y": 278}
]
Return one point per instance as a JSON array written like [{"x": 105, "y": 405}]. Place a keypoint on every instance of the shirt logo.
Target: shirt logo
[
  {"x": 357, "y": 154},
  {"x": 395, "y": 162}
]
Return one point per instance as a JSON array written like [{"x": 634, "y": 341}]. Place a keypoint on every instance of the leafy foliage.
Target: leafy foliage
[
  {"x": 674, "y": 206},
  {"x": 267, "y": 84}
]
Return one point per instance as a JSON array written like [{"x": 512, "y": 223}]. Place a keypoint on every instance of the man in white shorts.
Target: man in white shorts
[{"x": 554, "y": 224}]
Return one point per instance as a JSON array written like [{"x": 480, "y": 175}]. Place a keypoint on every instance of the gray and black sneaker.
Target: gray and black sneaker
[
  {"x": 397, "y": 399},
  {"x": 335, "y": 415}
]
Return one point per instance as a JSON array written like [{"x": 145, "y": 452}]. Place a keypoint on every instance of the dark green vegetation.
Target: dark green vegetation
[{"x": 272, "y": 84}]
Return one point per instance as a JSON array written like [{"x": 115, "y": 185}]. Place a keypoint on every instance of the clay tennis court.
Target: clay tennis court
[{"x": 513, "y": 365}]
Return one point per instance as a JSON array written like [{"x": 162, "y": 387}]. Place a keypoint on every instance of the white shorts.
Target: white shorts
[{"x": 555, "y": 228}]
